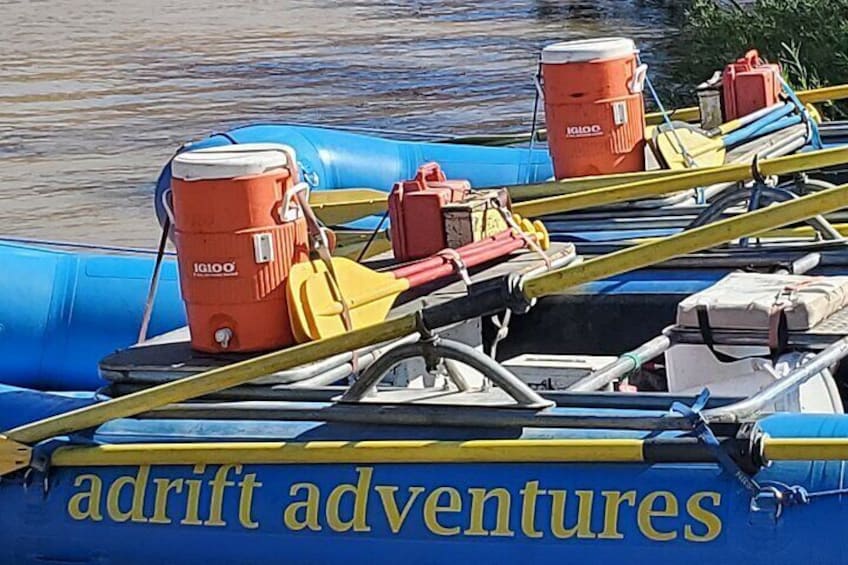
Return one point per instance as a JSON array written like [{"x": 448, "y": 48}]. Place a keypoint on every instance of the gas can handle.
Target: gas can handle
[
  {"x": 290, "y": 208},
  {"x": 430, "y": 172},
  {"x": 752, "y": 57},
  {"x": 637, "y": 85}
]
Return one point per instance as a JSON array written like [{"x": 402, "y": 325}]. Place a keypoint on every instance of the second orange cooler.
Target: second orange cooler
[{"x": 594, "y": 109}]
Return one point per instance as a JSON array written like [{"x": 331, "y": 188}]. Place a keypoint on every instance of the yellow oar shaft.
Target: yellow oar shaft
[
  {"x": 691, "y": 114},
  {"x": 551, "y": 283},
  {"x": 697, "y": 239},
  {"x": 805, "y": 449},
  {"x": 210, "y": 381},
  {"x": 373, "y": 295},
  {"x": 658, "y": 187}
]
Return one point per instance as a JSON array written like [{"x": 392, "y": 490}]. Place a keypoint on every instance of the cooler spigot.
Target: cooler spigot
[{"x": 223, "y": 337}]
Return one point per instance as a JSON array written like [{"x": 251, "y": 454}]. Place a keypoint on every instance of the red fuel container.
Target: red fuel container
[
  {"x": 415, "y": 212},
  {"x": 749, "y": 84}
]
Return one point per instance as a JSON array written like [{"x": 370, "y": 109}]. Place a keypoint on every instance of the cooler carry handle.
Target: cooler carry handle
[
  {"x": 290, "y": 208},
  {"x": 637, "y": 85}
]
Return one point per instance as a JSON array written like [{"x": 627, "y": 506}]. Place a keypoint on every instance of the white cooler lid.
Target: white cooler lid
[
  {"x": 584, "y": 50},
  {"x": 231, "y": 161}
]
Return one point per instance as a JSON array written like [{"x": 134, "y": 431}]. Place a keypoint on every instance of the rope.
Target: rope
[
  {"x": 372, "y": 237},
  {"x": 531, "y": 242},
  {"x": 665, "y": 116},
  {"x": 530, "y": 148},
  {"x": 154, "y": 282},
  {"x": 77, "y": 245}
]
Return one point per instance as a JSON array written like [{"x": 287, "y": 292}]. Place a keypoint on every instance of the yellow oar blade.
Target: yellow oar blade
[
  {"x": 298, "y": 275},
  {"x": 705, "y": 151},
  {"x": 315, "y": 306}
]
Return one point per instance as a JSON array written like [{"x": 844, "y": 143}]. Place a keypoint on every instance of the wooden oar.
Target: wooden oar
[
  {"x": 18, "y": 440},
  {"x": 316, "y": 313},
  {"x": 701, "y": 148}
]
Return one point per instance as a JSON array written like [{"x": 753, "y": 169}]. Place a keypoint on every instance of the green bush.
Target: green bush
[{"x": 809, "y": 38}]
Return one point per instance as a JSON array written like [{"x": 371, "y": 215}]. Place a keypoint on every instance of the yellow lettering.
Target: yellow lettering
[
  {"x": 432, "y": 508},
  {"x": 246, "y": 501},
  {"x": 91, "y": 498},
  {"x": 216, "y": 503},
  {"x": 647, "y": 513},
  {"x": 360, "y": 502},
  {"x": 479, "y": 497},
  {"x": 396, "y": 517},
  {"x": 583, "y": 529},
  {"x": 704, "y": 516},
  {"x": 192, "y": 513},
  {"x": 138, "y": 484},
  {"x": 309, "y": 507},
  {"x": 528, "y": 509},
  {"x": 614, "y": 499},
  {"x": 160, "y": 505}
]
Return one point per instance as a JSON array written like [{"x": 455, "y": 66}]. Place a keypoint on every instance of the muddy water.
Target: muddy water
[{"x": 95, "y": 96}]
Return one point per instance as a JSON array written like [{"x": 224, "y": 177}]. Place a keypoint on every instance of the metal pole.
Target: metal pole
[{"x": 624, "y": 365}]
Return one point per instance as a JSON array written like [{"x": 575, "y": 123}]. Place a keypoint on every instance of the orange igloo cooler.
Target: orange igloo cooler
[
  {"x": 238, "y": 230},
  {"x": 594, "y": 109}
]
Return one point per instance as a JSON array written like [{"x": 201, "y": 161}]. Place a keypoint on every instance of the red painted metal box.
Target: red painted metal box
[
  {"x": 415, "y": 211},
  {"x": 748, "y": 85}
]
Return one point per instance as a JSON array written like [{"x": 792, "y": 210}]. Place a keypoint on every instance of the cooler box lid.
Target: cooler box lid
[
  {"x": 584, "y": 50},
  {"x": 748, "y": 301},
  {"x": 231, "y": 161}
]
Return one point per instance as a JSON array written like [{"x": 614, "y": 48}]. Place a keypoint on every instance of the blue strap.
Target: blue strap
[
  {"x": 702, "y": 430},
  {"x": 815, "y": 135}
]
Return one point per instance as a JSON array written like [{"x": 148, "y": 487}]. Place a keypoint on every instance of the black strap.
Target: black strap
[
  {"x": 775, "y": 349},
  {"x": 707, "y": 334},
  {"x": 782, "y": 341}
]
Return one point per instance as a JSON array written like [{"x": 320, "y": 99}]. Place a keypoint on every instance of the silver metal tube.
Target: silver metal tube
[
  {"x": 739, "y": 411},
  {"x": 312, "y": 370},
  {"x": 802, "y": 265},
  {"x": 523, "y": 395},
  {"x": 622, "y": 366},
  {"x": 364, "y": 358}
]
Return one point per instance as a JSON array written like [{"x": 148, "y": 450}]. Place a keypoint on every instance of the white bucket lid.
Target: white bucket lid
[
  {"x": 231, "y": 161},
  {"x": 584, "y": 50}
]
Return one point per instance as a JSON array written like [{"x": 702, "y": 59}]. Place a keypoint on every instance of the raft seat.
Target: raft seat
[{"x": 749, "y": 330}]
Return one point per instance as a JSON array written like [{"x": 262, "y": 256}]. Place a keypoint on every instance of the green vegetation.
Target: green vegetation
[{"x": 809, "y": 38}]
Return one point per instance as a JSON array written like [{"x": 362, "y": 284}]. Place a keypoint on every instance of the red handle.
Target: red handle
[
  {"x": 752, "y": 57},
  {"x": 407, "y": 271},
  {"x": 430, "y": 172},
  {"x": 482, "y": 255}
]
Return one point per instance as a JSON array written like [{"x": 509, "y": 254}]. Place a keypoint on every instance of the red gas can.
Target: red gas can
[
  {"x": 238, "y": 231},
  {"x": 415, "y": 212},
  {"x": 748, "y": 85},
  {"x": 594, "y": 108}
]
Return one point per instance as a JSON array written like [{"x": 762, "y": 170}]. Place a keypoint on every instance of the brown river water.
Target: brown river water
[{"x": 95, "y": 95}]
